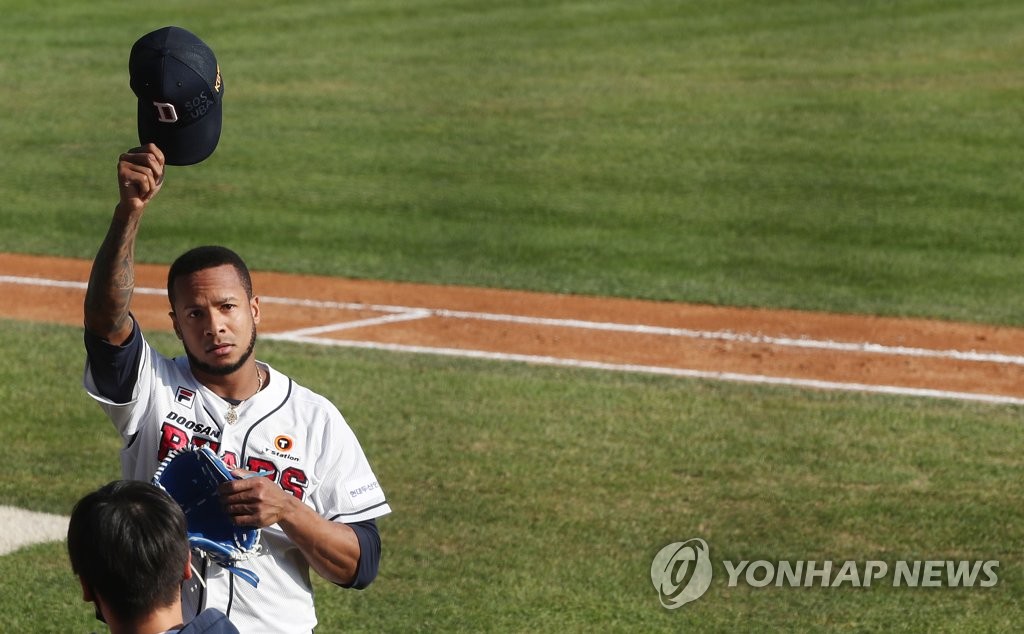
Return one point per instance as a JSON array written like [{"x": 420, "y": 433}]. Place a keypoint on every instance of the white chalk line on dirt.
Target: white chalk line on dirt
[
  {"x": 408, "y": 313},
  {"x": 358, "y": 323},
  {"x": 647, "y": 369}
]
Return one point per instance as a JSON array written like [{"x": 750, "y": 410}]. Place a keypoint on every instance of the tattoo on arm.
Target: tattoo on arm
[{"x": 112, "y": 281}]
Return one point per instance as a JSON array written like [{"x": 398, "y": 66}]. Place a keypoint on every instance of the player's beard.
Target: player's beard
[{"x": 223, "y": 370}]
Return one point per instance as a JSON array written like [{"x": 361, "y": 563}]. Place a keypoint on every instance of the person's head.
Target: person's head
[
  {"x": 213, "y": 309},
  {"x": 128, "y": 544}
]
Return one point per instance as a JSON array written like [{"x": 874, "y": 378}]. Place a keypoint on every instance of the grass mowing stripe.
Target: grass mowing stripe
[{"x": 807, "y": 155}]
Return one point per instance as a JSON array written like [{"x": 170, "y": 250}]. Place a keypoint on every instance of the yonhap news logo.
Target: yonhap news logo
[{"x": 682, "y": 572}]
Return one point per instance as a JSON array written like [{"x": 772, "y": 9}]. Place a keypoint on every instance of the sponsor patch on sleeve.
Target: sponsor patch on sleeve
[{"x": 364, "y": 491}]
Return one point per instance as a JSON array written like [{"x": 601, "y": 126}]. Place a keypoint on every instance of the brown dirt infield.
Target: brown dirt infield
[{"x": 787, "y": 345}]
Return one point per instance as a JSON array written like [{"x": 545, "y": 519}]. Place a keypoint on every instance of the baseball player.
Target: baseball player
[{"x": 319, "y": 499}]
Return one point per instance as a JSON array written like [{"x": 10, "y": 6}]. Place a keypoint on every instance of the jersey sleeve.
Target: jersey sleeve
[
  {"x": 113, "y": 369},
  {"x": 349, "y": 490},
  {"x": 369, "y": 554},
  {"x": 116, "y": 378}
]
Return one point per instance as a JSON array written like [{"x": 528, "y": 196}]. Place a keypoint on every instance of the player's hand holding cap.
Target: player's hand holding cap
[{"x": 177, "y": 79}]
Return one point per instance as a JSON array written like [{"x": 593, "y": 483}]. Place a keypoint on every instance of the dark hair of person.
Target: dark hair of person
[
  {"x": 207, "y": 257},
  {"x": 128, "y": 543}
]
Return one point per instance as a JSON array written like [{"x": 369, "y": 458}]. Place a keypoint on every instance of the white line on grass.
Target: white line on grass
[
  {"x": 405, "y": 313},
  {"x": 20, "y": 528}
]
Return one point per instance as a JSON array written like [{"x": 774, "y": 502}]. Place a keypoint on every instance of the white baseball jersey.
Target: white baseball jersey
[{"x": 286, "y": 429}]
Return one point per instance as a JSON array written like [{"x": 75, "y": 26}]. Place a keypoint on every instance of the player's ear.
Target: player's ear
[
  {"x": 254, "y": 306},
  {"x": 188, "y": 567},
  {"x": 174, "y": 322}
]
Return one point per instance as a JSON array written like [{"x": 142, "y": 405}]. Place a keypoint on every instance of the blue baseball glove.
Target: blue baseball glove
[{"x": 191, "y": 476}]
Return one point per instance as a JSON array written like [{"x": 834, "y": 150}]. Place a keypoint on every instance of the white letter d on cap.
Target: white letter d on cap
[{"x": 165, "y": 112}]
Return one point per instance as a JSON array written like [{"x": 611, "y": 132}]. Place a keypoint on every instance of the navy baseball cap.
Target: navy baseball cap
[{"x": 177, "y": 79}]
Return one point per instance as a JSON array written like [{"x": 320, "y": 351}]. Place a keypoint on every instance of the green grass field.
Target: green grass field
[
  {"x": 858, "y": 157},
  {"x": 534, "y": 499},
  {"x": 849, "y": 156}
]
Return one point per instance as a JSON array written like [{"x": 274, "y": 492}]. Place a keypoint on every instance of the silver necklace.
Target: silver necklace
[{"x": 232, "y": 415}]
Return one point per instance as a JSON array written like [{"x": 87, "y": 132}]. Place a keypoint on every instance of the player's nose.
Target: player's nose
[{"x": 214, "y": 325}]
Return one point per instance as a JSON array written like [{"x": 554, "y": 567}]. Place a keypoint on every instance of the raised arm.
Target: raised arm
[{"x": 140, "y": 174}]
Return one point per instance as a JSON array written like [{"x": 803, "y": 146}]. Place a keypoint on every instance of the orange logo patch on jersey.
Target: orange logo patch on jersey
[{"x": 283, "y": 443}]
